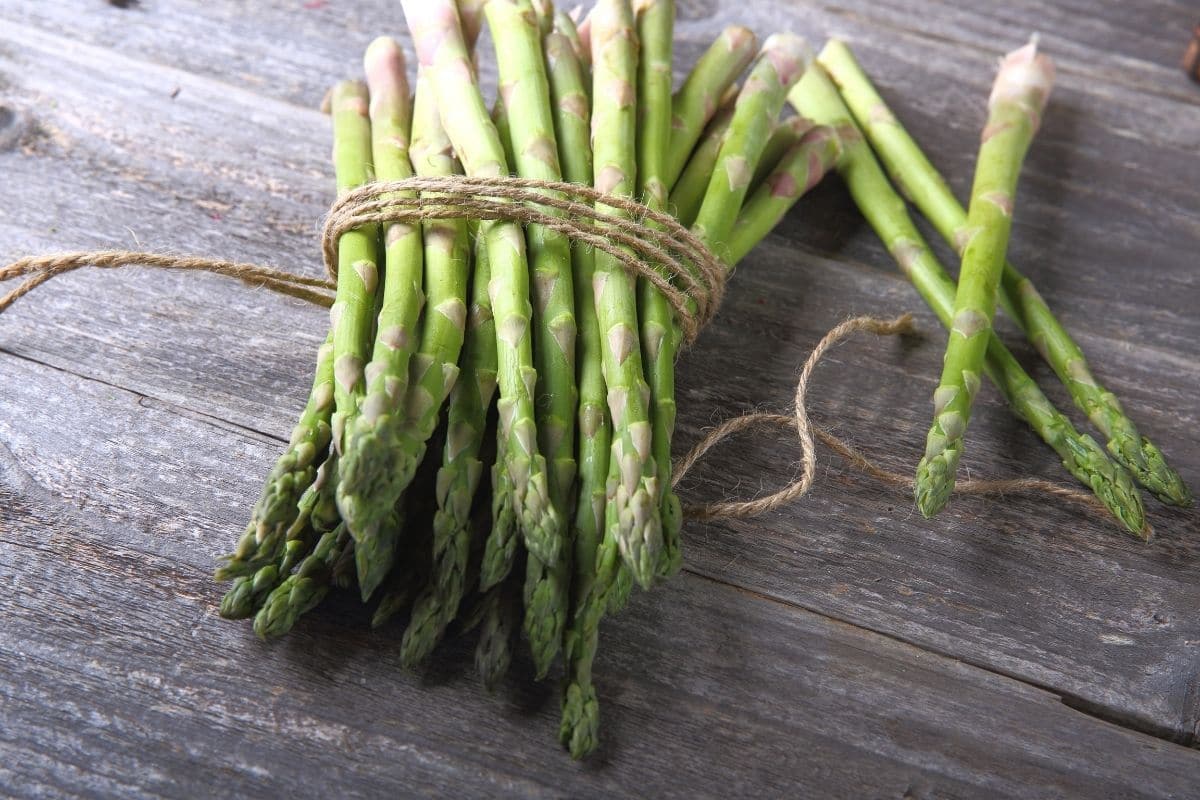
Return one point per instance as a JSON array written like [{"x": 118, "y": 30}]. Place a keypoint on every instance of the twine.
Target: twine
[{"x": 650, "y": 244}]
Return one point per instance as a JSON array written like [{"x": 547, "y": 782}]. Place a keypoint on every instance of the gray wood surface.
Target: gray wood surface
[{"x": 843, "y": 647}]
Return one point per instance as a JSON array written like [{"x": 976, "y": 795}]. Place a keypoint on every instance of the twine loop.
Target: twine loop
[{"x": 647, "y": 243}]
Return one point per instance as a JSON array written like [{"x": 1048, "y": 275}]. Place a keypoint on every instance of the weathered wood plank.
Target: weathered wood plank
[
  {"x": 89, "y": 123},
  {"x": 120, "y": 681},
  {"x": 234, "y": 164}
]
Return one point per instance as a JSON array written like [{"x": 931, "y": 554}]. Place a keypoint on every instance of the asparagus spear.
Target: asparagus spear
[
  {"x": 659, "y": 333},
  {"x": 783, "y": 136},
  {"x": 697, "y": 100},
  {"x": 302, "y": 591},
  {"x": 816, "y": 98},
  {"x": 1014, "y": 108},
  {"x": 569, "y": 93},
  {"x": 634, "y": 490},
  {"x": 797, "y": 171},
  {"x": 316, "y": 512},
  {"x": 378, "y": 458},
  {"x": 783, "y": 60},
  {"x": 351, "y": 315},
  {"x": 564, "y": 26},
  {"x": 568, "y": 88},
  {"x": 500, "y": 548},
  {"x": 921, "y": 183},
  {"x": 443, "y": 53},
  {"x": 525, "y": 89},
  {"x": 294, "y": 472},
  {"x": 459, "y": 476},
  {"x": 497, "y": 620},
  {"x": 688, "y": 192}
]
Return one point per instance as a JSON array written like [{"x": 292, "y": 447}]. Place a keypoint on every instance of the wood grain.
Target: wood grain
[{"x": 843, "y": 647}]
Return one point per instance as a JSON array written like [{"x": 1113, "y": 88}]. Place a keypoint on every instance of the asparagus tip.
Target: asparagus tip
[{"x": 934, "y": 483}]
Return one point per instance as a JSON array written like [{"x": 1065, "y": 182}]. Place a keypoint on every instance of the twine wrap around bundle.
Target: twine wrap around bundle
[{"x": 649, "y": 244}]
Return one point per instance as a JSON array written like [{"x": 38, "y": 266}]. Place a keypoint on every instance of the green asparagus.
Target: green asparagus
[
  {"x": 699, "y": 97},
  {"x": 525, "y": 89},
  {"x": 378, "y": 459},
  {"x": 1020, "y": 92},
  {"x": 921, "y": 183},
  {"x": 816, "y": 98},
  {"x": 443, "y": 53},
  {"x": 794, "y": 173},
  {"x": 659, "y": 332}
]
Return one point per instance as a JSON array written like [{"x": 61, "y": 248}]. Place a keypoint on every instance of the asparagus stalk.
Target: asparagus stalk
[
  {"x": 688, "y": 193},
  {"x": 634, "y": 490},
  {"x": 568, "y": 87},
  {"x": 783, "y": 60},
  {"x": 500, "y": 548},
  {"x": 498, "y": 618},
  {"x": 564, "y": 26},
  {"x": 659, "y": 332},
  {"x": 459, "y": 476},
  {"x": 816, "y": 98},
  {"x": 784, "y": 135},
  {"x": 443, "y": 53},
  {"x": 294, "y": 472},
  {"x": 525, "y": 88},
  {"x": 920, "y": 182},
  {"x": 302, "y": 591},
  {"x": 699, "y": 96},
  {"x": 379, "y": 459},
  {"x": 351, "y": 315},
  {"x": 1014, "y": 109},
  {"x": 798, "y": 170}
]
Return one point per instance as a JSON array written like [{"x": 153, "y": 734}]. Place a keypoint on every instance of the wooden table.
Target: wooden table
[{"x": 843, "y": 647}]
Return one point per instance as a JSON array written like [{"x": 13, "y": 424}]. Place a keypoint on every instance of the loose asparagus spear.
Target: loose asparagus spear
[
  {"x": 294, "y": 472},
  {"x": 378, "y": 458},
  {"x": 783, "y": 60},
  {"x": 1014, "y": 109},
  {"x": 797, "y": 171},
  {"x": 697, "y": 100},
  {"x": 443, "y": 53},
  {"x": 659, "y": 333},
  {"x": 783, "y": 136},
  {"x": 352, "y": 313},
  {"x": 459, "y": 476},
  {"x": 920, "y": 182},
  {"x": 816, "y": 98},
  {"x": 634, "y": 490},
  {"x": 525, "y": 88}
]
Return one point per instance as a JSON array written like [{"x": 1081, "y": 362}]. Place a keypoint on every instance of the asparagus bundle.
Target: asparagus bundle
[{"x": 566, "y": 355}]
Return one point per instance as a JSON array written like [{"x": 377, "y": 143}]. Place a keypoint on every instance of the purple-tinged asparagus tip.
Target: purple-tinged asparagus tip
[
  {"x": 1025, "y": 78},
  {"x": 789, "y": 54},
  {"x": 384, "y": 65}
]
